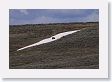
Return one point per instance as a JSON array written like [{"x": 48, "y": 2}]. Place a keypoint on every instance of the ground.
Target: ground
[{"x": 79, "y": 50}]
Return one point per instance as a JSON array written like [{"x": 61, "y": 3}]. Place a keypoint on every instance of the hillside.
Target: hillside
[{"x": 76, "y": 51}]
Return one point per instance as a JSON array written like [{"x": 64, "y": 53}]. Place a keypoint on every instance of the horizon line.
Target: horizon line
[{"x": 53, "y": 23}]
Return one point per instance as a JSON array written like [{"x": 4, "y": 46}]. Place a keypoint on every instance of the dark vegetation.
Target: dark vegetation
[{"x": 79, "y": 50}]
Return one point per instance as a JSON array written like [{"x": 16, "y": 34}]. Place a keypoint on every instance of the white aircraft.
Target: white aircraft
[{"x": 51, "y": 39}]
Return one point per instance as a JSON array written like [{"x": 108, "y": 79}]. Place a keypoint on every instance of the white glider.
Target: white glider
[{"x": 47, "y": 40}]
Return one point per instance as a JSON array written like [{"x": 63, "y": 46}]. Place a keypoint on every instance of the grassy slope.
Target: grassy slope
[{"x": 79, "y": 50}]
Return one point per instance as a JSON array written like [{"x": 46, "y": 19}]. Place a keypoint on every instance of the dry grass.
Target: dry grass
[{"x": 76, "y": 51}]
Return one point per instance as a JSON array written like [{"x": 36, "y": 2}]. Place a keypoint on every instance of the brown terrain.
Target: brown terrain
[{"x": 79, "y": 50}]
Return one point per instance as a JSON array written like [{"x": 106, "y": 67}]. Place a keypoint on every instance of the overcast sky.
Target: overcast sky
[{"x": 40, "y": 16}]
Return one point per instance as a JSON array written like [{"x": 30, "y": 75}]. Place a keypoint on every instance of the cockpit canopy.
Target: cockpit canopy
[{"x": 53, "y": 37}]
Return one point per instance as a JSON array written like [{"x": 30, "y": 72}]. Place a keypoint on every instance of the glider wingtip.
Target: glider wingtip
[{"x": 19, "y": 49}]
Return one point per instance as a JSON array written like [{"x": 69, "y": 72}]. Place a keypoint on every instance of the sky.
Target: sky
[{"x": 45, "y": 16}]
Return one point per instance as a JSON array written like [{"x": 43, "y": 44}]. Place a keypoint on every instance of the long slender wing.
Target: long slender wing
[
  {"x": 58, "y": 36},
  {"x": 38, "y": 43},
  {"x": 64, "y": 34}
]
